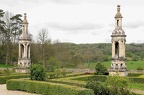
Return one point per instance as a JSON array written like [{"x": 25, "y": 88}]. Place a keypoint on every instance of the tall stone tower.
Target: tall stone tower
[
  {"x": 118, "y": 63},
  {"x": 24, "y": 60}
]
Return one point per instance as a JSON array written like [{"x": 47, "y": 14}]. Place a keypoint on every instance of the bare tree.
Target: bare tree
[{"x": 43, "y": 39}]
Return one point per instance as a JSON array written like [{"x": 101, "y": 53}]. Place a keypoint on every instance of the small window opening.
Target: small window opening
[
  {"x": 117, "y": 49},
  {"x": 117, "y": 22}
]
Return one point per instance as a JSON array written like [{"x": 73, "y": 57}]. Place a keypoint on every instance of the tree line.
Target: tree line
[
  {"x": 10, "y": 28},
  {"x": 47, "y": 52}
]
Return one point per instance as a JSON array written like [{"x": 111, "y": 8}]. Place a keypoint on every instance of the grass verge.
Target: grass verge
[{"x": 131, "y": 65}]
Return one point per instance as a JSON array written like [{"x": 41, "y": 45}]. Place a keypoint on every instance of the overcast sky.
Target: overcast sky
[{"x": 80, "y": 21}]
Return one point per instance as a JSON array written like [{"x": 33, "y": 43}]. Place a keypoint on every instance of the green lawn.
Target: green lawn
[
  {"x": 131, "y": 65},
  {"x": 137, "y": 86},
  {"x": 5, "y": 66}
]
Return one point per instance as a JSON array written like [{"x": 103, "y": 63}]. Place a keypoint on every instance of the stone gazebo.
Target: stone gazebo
[
  {"x": 24, "y": 60},
  {"x": 118, "y": 62}
]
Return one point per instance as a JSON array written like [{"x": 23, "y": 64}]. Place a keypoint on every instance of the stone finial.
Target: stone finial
[
  {"x": 118, "y": 8},
  {"x": 25, "y": 18},
  {"x": 118, "y": 15},
  {"x": 24, "y": 15}
]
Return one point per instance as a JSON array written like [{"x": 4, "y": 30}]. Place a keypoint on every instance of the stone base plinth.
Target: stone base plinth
[
  {"x": 22, "y": 69},
  {"x": 24, "y": 62},
  {"x": 118, "y": 72}
]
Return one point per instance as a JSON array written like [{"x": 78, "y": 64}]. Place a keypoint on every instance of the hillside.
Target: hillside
[{"x": 102, "y": 51}]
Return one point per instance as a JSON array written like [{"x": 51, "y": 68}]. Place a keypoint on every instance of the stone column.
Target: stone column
[
  {"x": 19, "y": 50},
  {"x": 120, "y": 23},
  {"x": 120, "y": 48},
  {"x": 115, "y": 23},
  {"x": 26, "y": 50},
  {"x": 29, "y": 51},
  {"x": 113, "y": 49},
  {"x": 123, "y": 49}
]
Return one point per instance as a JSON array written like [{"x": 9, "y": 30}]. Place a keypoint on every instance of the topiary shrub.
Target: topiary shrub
[
  {"x": 100, "y": 69},
  {"x": 99, "y": 88},
  {"x": 37, "y": 72},
  {"x": 114, "y": 85},
  {"x": 118, "y": 85}
]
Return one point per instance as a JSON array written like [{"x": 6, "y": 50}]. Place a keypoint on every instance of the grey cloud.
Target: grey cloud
[
  {"x": 139, "y": 41},
  {"x": 107, "y": 40},
  {"x": 102, "y": 2},
  {"x": 96, "y": 33},
  {"x": 134, "y": 24},
  {"x": 105, "y": 2},
  {"x": 76, "y": 27},
  {"x": 8, "y": 2},
  {"x": 80, "y": 1},
  {"x": 64, "y": 1},
  {"x": 17, "y": 2},
  {"x": 110, "y": 30},
  {"x": 112, "y": 25}
]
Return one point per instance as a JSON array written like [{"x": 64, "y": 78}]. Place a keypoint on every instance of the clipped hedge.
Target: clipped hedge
[
  {"x": 83, "y": 78},
  {"x": 46, "y": 88},
  {"x": 137, "y": 80},
  {"x": 101, "y": 78},
  {"x": 134, "y": 74},
  {"x": 74, "y": 74},
  {"x": 68, "y": 82},
  {"x": 3, "y": 79}
]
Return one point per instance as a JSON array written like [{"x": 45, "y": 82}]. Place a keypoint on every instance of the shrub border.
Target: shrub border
[
  {"x": 3, "y": 79},
  {"x": 46, "y": 88}
]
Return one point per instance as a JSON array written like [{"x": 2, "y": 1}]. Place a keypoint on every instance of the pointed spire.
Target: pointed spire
[
  {"x": 25, "y": 25},
  {"x": 25, "y": 19},
  {"x": 25, "y": 35},
  {"x": 118, "y": 23},
  {"x": 118, "y": 15}
]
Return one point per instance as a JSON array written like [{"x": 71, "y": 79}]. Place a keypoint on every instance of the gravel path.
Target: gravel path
[
  {"x": 4, "y": 91},
  {"x": 138, "y": 91}
]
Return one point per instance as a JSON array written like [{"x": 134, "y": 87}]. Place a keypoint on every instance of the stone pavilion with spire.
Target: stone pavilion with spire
[
  {"x": 118, "y": 62},
  {"x": 24, "y": 60}
]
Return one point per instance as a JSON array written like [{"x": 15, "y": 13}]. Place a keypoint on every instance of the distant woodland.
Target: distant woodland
[{"x": 71, "y": 55}]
